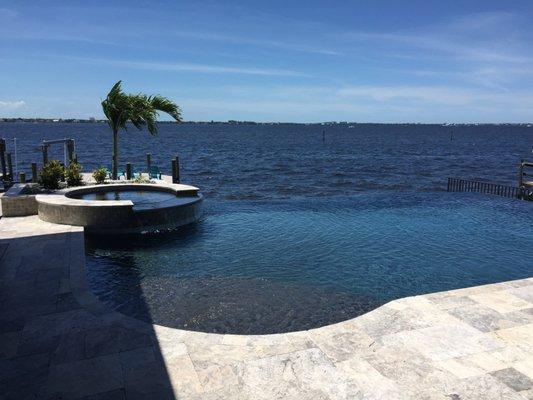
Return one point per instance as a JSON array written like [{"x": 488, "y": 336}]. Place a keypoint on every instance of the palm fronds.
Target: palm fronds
[{"x": 139, "y": 109}]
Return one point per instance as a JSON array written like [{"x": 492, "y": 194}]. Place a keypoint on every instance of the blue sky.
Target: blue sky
[{"x": 298, "y": 61}]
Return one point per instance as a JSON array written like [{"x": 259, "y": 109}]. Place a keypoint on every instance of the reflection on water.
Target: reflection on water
[{"x": 277, "y": 266}]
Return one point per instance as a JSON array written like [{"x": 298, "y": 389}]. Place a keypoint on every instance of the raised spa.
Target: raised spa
[{"x": 123, "y": 208}]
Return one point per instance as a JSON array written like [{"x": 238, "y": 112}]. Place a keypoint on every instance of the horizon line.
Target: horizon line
[{"x": 244, "y": 122}]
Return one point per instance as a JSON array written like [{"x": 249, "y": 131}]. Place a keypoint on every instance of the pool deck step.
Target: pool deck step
[{"x": 58, "y": 341}]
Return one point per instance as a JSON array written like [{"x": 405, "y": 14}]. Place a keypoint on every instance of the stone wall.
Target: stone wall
[{"x": 16, "y": 204}]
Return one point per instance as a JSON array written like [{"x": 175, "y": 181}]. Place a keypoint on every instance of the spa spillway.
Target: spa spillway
[{"x": 123, "y": 208}]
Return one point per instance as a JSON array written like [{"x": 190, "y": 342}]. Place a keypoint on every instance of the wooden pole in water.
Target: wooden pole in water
[
  {"x": 521, "y": 174},
  {"x": 44, "y": 148},
  {"x": 128, "y": 171},
  {"x": 177, "y": 169},
  {"x": 3, "y": 157},
  {"x": 174, "y": 170},
  {"x": 70, "y": 150},
  {"x": 148, "y": 162},
  {"x": 22, "y": 177},
  {"x": 9, "y": 167},
  {"x": 34, "y": 177}
]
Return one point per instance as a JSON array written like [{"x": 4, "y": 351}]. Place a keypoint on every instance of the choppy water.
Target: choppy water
[
  {"x": 287, "y": 161},
  {"x": 300, "y": 232}
]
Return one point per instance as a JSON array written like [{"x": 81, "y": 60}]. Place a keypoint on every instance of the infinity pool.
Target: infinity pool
[{"x": 266, "y": 267}]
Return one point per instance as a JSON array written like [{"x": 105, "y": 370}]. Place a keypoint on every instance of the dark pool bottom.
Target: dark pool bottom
[
  {"x": 269, "y": 267},
  {"x": 239, "y": 305}
]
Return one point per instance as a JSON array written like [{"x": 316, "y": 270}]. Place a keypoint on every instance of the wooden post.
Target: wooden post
[
  {"x": 9, "y": 167},
  {"x": 148, "y": 162},
  {"x": 70, "y": 150},
  {"x": 44, "y": 148},
  {"x": 3, "y": 157},
  {"x": 128, "y": 171},
  {"x": 34, "y": 177},
  {"x": 521, "y": 174},
  {"x": 174, "y": 170},
  {"x": 177, "y": 169},
  {"x": 22, "y": 177}
]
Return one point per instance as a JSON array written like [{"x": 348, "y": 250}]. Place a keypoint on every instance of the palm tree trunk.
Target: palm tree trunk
[{"x": 115, "y": 154}]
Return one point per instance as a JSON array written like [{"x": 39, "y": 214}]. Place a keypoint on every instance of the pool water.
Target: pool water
[
  {"x": 141, "y": 199},
  {"x": 264, "y": 267}
]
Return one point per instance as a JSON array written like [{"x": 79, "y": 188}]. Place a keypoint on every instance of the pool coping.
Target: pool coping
[{"x": 61, "y": 196}]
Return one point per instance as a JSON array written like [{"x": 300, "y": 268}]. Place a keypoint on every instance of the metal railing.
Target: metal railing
[{"x": 464, "y": 185}]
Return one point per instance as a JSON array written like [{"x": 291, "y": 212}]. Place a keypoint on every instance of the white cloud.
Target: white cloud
[
  {"x": 11, "y": 105},
  {"x": 258, "y": 42},
  {"x": 190, "y": 67},
  {"x": 430, "y": 94},
  {"x": 482, "y": 37},
  {"x": 362, "y": 103}
]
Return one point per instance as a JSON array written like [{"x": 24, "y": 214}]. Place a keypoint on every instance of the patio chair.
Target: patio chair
[
  {"x": 120, "y": 172},
  {"x": 155, "y": 172}
]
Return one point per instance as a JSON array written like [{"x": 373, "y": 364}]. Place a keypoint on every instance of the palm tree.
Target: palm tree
[{"x": 139, "y": 109}]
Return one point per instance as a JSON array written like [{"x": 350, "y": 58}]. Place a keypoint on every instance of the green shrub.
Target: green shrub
[
  {"x": 142, "y": 179},
  {"x": 73, "y": 174},
  {"x": 99, "y": 175},
  {"x": 51, "y": 175}
]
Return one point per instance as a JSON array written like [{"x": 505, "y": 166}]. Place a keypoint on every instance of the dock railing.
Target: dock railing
[{"x": 465, "y": 185}]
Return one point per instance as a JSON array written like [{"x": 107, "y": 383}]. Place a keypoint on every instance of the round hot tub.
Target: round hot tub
[{"x": 123, "y": 208}]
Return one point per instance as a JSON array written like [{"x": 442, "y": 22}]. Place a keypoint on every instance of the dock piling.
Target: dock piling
[
  {"x": 174, "y": 170},
  {"x": 9, "y": 167},
  {"x": 34, "y": 176},
  {"x": 44, "y": 149},
  {"x": 148, "y": 162},
  {"x": 177, "y": 169},
  {"x": 128, "y": 171},
  {"x": 3, "y": 157}
]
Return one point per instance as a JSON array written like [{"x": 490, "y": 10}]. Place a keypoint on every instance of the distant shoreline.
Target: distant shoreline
[{"x": 234, "y": 122}]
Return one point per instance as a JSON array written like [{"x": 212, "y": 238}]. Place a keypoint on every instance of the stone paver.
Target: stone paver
[{"x": 57, "y": 341}]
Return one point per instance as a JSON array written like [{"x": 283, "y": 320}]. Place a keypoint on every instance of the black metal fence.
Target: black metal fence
[{"x": 464, "y": 185}]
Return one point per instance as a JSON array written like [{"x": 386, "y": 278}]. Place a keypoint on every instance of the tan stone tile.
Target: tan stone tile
[
  {"x": 520, "y": 335},
  {"x": 459, "y": 368},
  {"x": 216, "y": 377},
  {"x": 485, "y": 361},
  {"x": 370, "y": 384},
  {"x": 450, "y": 302},
  {"x": 235, "y": 340},
  {"x": 219, "y": 354},
  {"x": 296, "y": 375},
  {"x": 447, "y": 341},
  {"x": 525, "y": 366},
  {"x": 484, "y": 387},
  {"x": 511, "y": 354},
  {"x": 170, "y": 350},
  {"x": 344, "y": 346},
  {"x": 501, "y": 301},
  {"x": 523, "y": 292},
  {"x": 183, "y": 376}
]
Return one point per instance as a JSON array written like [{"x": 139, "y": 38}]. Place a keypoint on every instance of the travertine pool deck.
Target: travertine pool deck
[{"x": 59, "y": 342}]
